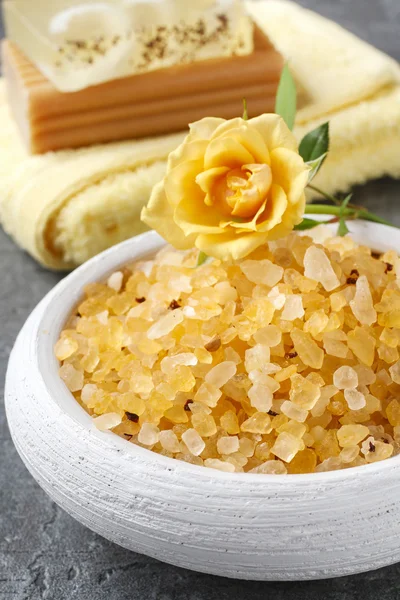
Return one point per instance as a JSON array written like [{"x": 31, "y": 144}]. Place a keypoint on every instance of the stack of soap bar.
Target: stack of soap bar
[
  {"x": 78, "y": 43},
  {"x": 147, "y": 104}
]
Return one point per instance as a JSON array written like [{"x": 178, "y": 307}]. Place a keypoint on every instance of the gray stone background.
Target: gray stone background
[{"x": 44, "y": 553}]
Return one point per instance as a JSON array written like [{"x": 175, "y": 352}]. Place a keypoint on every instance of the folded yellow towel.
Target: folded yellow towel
[
  {"x": 66, "y": 206},
  {"x": 344, "y": 80}
]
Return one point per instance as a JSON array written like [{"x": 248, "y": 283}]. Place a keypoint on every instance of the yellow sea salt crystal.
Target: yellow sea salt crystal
[
  {"x": 181, "y": 379},
  {"x": 230, "y": 423},
  {"x": 257, "y": 357},
  {"x": 363, "y": 344},
  {"x": 286, "y": 373},
  {"x": 262, "y": 272},
  {"x": 286, "y": 446},
  {"x": 204, "y": 424},
  {"x": 208, "y": 394},
  {"x": 327, "y": 445},
  {"x": 393, "y": 413},
  {"x": 257, "y": 423},
  {"x": 350, "y": 435},
  {"x": 294, "y": 428},
  {"x": 378, "y": 450},
  {"x": 293, "y": 411},
  {"x": 362, "y": 304},
  {"x": 305, "y": 461},
  {"x": 270, "y": 467},
  {"x": 219, "y": 375},
  {"x": 372, "y": 404},
  {"x": 394, "y": 371},
  {"x": 307, "y": 349},
  {"x": 303, "y": 392},
  {"x": 263, "y": 450},
  {"x": 268, "y": 336},
  {"x": 316, "y": 323},
  {"x": 349, "y": 454},
  {"x": 169, "y": 441},
  {"x": 260, "y": 397},
  {"x": 293, "y": 308},
  {"x": 260, "y": 311},
  {"x": 276, "y": 297},
  {"x": 317, "y": 266},
  {"x": 345, "y": 377},
  {"x": 149, "y": 434},
  {"x": 390, "y": 337},
  {"x": 228, "y": 444},
  {"x": 247, "y": 446},
  {"x": 107, "y": 421},
  {"x": 65, "y": 347},
  {"x": 338, "y": 301},
  {"x": 333, "y": 344},
  {"x": 388, "y": 354},
  {"x": 176, "y": 414},
  {"x": 194, "y": 443},
  {"x": 73, "y": 378},
  {"x": 220, "y": 465},
  {"x": 130, "y": 402},
  {"x": 166, "y": 324},
  {"x": 355, "y": 399}
]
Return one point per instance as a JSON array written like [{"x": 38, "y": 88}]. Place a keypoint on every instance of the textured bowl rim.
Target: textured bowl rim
[{"x": 65, "y": 296}]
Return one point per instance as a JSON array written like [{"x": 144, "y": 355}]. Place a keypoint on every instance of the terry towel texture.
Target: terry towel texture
[{"x": 66, "y": 206}]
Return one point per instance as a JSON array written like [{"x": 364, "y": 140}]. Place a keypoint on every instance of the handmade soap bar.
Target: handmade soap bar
[
  {"x": 76, "y": 44},
  {"x": 153, "y": 103}
]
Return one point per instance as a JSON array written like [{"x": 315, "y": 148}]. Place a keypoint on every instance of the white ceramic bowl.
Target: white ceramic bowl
[{"x": 266, "y": 527}]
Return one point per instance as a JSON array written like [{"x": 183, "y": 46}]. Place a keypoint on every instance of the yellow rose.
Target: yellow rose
[{"x": 230, "y": 187}]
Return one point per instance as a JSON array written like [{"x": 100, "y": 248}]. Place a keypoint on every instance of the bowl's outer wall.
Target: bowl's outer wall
[{"x": 251, "y": 527}]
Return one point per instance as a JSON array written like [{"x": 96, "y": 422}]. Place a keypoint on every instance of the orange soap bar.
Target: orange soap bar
[{"x": 143, "y": 105}]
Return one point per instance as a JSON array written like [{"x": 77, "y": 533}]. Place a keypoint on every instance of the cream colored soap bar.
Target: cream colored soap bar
[
  {"x": 76, "y": 44},
  {"x": 153, "y": 103}
]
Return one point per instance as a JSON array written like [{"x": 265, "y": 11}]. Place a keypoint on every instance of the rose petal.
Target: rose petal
[
  {"x": 274, "y": 210},
  {"x": 228, "y": 245},
  {"x": 274, "y": 132},
  {"x": 227, "y": 126},
  {"x": 193, "y": 218},
  {"x": 290, "y": 172},
  {"x": 159, "y": 215},
  {"x": 204, "y": 129},
  {"x": 187, "y": 151},
  {"x": 180, "y": 182},
  {"x": 226, "y": 152},
  {"x": 206, "y": 179},
  {"x": 252, "y": 140},
  {"x": 243, "y": 226}
]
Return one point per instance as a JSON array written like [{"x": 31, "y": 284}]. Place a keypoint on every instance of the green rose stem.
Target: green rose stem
[{"x": 355, "y": 213}]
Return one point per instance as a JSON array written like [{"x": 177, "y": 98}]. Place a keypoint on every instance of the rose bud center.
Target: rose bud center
[{"x": 242, "y": 191}]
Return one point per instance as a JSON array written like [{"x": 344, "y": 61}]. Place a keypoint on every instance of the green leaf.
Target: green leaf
[
  {"x": 245, "y": 116},
  {"x": 342, "y": 228},
  {"x": 315, "y": 166},
  {"x": 315, "y": 143},
  {"x": 201, "y": 258},
  {"x": 286, "y": 97},
  {"x": 307, "y": 224}
]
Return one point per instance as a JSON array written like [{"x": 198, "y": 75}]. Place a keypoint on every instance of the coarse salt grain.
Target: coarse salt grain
[
  {"x": 193, "y": 441},
  {"x": 107, "y": 421},
  {"x": 355, "y": 399},
  {"x": 221, "y": 374},
  {"x": 262, "y": 272},
  {"x": 345, "y": 378},
  {"x": 149, "y": 434},
  {"x": 293, "y": 308},
  {"x": 115, "y": 281},
  {"x": 228, "y": 445},
  {"x": 165, "y": 325},
  {"x": 318, "y": 266}
]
